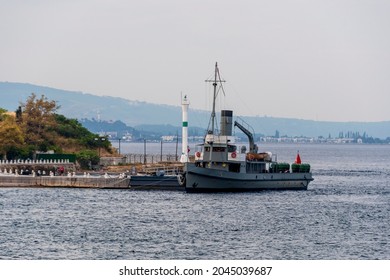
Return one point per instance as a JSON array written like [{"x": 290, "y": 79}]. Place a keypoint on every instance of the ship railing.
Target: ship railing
[{"x": 163, "y": 170}]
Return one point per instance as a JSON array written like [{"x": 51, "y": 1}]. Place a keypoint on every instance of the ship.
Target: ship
[{"x": 219, "y": 166}]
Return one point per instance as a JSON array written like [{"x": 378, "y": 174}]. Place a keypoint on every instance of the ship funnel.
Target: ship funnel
[{"x": 226, "y": 122}]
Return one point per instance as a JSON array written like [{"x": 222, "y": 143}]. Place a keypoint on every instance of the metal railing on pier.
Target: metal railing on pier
[{"x": 150, "y": 158}]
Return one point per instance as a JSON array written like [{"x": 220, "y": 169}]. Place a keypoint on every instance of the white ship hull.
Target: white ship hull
[{"x": 198, "y": 179}]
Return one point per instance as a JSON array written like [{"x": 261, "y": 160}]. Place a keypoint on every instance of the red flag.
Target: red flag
[{"x": 298, "y": 159}]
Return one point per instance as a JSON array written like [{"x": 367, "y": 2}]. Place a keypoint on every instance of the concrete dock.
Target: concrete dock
[
  {"x": 64, "y": 182},
  {"x": 45, "y": 174},
  {"x": 135, "y": 182}
]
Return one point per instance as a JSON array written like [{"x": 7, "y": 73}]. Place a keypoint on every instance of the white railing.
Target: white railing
[{"x": 30, "y": 162}]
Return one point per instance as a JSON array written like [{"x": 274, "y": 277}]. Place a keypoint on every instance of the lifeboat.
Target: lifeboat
[{"x": 259, "y": 156}]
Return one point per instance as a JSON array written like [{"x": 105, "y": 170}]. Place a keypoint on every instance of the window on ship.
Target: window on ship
[
  {"x": 232, "y": 148},
  {"x": 219, "y": 149}
]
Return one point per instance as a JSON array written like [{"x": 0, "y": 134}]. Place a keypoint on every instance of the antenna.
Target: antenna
[{"x": 215, "y": 83}]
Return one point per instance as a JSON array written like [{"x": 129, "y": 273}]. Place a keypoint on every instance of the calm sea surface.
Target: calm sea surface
[{"x": 344, "y": 214}]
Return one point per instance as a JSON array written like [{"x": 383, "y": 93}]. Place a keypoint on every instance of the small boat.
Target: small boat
[
  {"x": 149, "y": 182},
  {"x": 220, "y": 167}
]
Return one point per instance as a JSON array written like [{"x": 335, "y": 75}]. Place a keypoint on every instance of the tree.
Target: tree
[
  {"x": 11, "y": 136},
  {"x": 37, "y": 127},
  {"x": 2, "y": 114},
  {"x": 87, "y": 159},
  {"x": 38, "y": 121}
]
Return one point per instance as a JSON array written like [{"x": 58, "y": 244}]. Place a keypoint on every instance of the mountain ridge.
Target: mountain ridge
[{"x": 79, "y": 105}]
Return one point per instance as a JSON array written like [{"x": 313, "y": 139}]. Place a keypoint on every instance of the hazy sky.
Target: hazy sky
[{"x": 319, "y": 60}]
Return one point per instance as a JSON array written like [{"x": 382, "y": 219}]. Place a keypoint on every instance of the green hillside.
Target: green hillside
[{"x": 35, "y": 127}]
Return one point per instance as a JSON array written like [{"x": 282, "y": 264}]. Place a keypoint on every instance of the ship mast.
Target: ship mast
[{"x": 217, "y": 78}]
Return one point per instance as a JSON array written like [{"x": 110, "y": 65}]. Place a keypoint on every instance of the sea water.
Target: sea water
[{"x": 344, "y": 214}]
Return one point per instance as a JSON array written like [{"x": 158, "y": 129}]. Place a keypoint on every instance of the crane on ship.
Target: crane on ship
[{"x": 252, "y": 146}]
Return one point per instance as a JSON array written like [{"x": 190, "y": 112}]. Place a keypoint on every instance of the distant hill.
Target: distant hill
[
  {"x": 83, "y": 105},
  {"x": 298, "y": 127},
  {"x": 167, "y": 119}
]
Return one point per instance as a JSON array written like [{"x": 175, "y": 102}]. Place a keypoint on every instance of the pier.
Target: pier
[
  {"x": 64, "y": 182},
  {"x": 133, "y": 173}
]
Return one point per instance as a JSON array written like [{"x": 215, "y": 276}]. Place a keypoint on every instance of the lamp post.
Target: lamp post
[
  {"x": 119, "y": 148},
  {"x": 161, "y": 151},
  {"x": 144, "y": 151}
]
